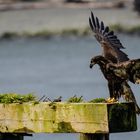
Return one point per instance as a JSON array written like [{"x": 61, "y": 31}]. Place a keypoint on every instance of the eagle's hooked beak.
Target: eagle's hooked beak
[{"x": 91, "y": 64}]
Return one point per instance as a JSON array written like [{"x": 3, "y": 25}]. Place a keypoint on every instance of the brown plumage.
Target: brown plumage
[
  {"x": 117, "y": 84},
  {"x": 111, "y": 46},
  {"x": 114, "y": 83},
  {"x": 112, "y": 53},
  {"x": 128, "y": 70}
]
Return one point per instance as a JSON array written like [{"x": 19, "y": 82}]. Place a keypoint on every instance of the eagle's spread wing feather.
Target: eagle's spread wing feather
[
  {"x": 129, "y": 70},
  {"x": 103, "y": 33},
  {"x": 133, "y": 70},
  {"x": 104, "y": 36},
  {"x": 121, "y": 56}
]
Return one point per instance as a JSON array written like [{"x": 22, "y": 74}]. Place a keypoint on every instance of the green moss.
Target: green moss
[
  {"x": 122, "y": 117},
  {"x": 75, "y": 99},
  {"x": 16, "y": 98},
  {"x": 53, "y": 106},
  {"x": 36, "y": 102},
  {"x": 65, "y": 127},
  {"x": 97, "y": 100}
]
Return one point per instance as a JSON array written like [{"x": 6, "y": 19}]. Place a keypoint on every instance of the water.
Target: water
[{"x": 59, "y": 66}]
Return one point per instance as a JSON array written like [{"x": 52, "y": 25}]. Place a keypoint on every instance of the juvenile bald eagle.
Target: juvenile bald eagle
[
  {"x": 112, "y": 53},
  {"x": 111, "y": 46},
  {"x": 117, "y": 76}
]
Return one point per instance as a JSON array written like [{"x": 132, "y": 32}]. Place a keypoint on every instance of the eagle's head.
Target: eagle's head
[{"x": 100, "y": 60}]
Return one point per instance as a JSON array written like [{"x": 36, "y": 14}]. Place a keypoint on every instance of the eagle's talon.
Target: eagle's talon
[{"x": 111, "y": 100}]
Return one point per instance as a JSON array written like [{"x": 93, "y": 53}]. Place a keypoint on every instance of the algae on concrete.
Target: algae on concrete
[{"x": 122, "y": 117}]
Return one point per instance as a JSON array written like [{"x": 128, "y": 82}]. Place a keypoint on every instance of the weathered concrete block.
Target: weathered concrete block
[{"x": 47, "y": 117}]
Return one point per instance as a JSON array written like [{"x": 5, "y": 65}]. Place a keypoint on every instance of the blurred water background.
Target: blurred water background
[{"x": 60, "y": 65}]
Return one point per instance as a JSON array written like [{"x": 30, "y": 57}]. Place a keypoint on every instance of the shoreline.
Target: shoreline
[
  {"x": 69, "y": 21},
  {"x": 76, "y": 32}
]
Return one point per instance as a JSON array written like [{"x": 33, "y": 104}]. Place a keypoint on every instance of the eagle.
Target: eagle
[
  {"x": 114, "y": 82},
  {"x": 118, "y": 75},
  {"x": 113, "y": 54}
]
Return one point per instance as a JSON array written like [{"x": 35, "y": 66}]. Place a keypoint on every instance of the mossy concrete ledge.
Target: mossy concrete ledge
[{"x": 47, "y": 117}]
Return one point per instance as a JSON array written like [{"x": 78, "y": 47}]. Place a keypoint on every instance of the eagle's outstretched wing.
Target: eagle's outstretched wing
[
  {"x": 135, "y": 71},
  {"x": 110, "y": 43},
  {"x": 129, "y": 70}
]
